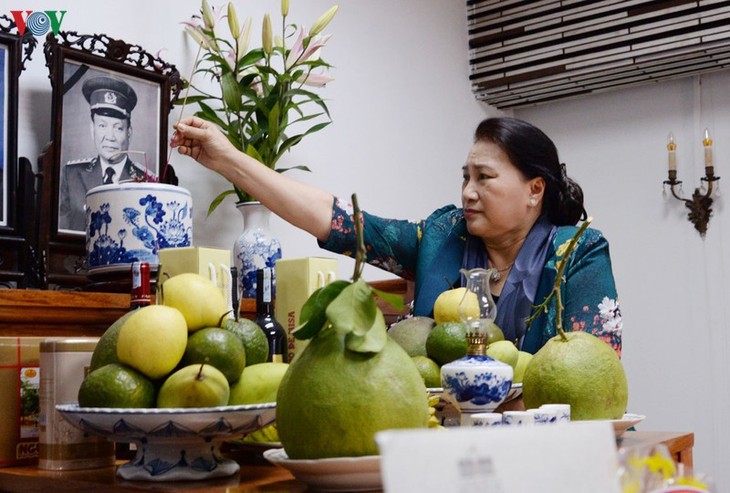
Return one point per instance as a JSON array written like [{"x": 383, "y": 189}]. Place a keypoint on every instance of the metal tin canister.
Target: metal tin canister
[{"x": 63, "y": 366}]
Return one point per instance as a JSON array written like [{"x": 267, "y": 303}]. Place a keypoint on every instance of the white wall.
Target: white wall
[
  {"x": 403, "y": 118},
  {"x": 670, "y": 280}
]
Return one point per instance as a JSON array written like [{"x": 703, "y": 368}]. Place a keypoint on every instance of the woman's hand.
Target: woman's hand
[{"x": 202, "y": 141}]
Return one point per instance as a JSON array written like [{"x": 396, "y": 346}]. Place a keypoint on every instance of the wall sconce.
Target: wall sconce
[{"x": 700, "y": 206}]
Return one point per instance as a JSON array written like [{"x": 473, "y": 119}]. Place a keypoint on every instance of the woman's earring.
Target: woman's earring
[{"x": 533, "y": 201}]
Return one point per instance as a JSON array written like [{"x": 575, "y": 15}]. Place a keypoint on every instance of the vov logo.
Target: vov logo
[{"x": 38, "y": 22}]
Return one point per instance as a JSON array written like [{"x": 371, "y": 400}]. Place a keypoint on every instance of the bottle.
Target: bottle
[
  {"x": 140, "y": 292},
  {"x": 265, "y": 317}
]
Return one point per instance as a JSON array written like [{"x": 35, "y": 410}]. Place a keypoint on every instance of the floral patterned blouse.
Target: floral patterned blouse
[{"x": 430, "y": 252}]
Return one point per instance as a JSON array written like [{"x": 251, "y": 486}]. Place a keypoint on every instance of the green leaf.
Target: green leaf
[
  {"x": 394, "y": 300},
  {"x": 373, "y": 341},
  {"x": 217, "y": 201},
  {"x": 231, "y": 94},
  {"x": 354, "y": 309},
  {"x": 313, "y": 316},
  {"x": 300, "y": 167}
]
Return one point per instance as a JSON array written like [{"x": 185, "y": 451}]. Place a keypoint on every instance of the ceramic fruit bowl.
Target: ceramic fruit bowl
[
  {"x": 173, "y": 444},
  {"x": 476, "y": 383}
]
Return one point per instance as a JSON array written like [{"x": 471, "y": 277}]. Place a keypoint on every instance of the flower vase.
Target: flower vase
[{"x": 255, "y": 248}]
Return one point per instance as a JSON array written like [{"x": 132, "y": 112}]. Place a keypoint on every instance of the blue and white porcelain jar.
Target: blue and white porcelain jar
[
  {"x": 255, "y": 248},
  {"x": 476, "y": 383},
  {"x": 131, "y": 222}
]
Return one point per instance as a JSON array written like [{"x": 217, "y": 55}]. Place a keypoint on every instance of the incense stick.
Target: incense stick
[{"x": 182, "y": 108}]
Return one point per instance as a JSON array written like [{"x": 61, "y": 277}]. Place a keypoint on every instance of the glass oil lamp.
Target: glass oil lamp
[{"x": 476, "y": 383}]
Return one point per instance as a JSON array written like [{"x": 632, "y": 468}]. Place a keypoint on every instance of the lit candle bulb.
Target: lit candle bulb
[
  {"x": 672, "y": 148},
  {"x": 707, "y": 142}
]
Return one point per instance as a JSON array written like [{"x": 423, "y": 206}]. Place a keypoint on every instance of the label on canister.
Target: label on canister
[{"x": 62, "y": 446}]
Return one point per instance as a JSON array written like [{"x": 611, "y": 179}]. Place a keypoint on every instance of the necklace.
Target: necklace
[{"x": 497, "y": 273}]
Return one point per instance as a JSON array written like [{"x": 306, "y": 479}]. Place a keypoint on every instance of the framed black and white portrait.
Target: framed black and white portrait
[{"x": 110, "y": 107}]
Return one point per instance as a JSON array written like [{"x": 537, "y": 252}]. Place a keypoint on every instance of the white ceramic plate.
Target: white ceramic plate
[
  {"x": 173, "y": 444},
  {"x": 621, "y": 425},
  {"x": 337, "y": 474},
  {"x": 205, "y": 422}
]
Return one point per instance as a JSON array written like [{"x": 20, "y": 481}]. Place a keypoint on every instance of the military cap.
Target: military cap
[{"x": 109, "y": 96}]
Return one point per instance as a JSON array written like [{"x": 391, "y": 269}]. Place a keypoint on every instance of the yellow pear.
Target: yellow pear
[
  {"x": 446, "y": 306},
  {"x": 522, "y": 360},
  {"x": 199, "y": 300},
  {"x": 152, "y": 340}
]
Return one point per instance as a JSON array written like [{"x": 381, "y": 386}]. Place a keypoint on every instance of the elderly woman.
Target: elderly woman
[{"x": 518, "y": 207}]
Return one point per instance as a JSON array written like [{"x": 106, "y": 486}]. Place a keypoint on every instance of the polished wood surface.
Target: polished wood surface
[
  {"x": 251, "y": 479},
  {"x": 680, "y": 445},
  {"x": 255, "y": 475},
  {"x": 34, "y": 312}
]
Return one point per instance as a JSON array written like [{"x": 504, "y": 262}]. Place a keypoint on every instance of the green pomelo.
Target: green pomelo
[
  {"x": 582, "y": 371},
  {"x": 116, "y": 385},
  {"x": 332, "y": 401},
  {"x": 217, "y": 347},
  {"x": 258, "y": 383},
  {"x": 446, "y": 342},
  {"x": 194, "y": 386},
  {"x": 105, "y": 351},
  {"x": 411, "y": 334},
  {"x": 252, "y": 337}
]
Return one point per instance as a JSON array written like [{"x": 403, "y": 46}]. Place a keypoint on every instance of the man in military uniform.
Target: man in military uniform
[{"x": 111, "y": 101}]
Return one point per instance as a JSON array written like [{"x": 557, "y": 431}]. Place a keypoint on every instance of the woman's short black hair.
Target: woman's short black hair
[{"x": 534, "y": 154}]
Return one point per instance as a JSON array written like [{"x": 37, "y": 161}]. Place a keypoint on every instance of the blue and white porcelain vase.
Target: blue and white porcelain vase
[
  {"x": 255, "y": 248},
  {"x": 131, "y": 222},
  {"x": 476, "y": 383}
]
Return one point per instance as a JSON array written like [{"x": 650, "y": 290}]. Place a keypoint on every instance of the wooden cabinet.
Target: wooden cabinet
[{"x": 31, "y": 312}]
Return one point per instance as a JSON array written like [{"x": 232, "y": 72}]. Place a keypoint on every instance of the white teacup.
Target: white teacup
[
  {"x": 544, "y": 416},
  {"x": 486, "y": 419},
  {"x": 563, "y": 411},
  {"x": 518, "y": 418}
]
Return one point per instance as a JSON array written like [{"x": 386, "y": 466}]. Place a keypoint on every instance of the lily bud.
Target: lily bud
[
  {"x": 284, "y": 8},
  {"x": 208, "y": 15},
  {"x": 323, "y": 20},
  {"x": 243, "y": 38},
  {"x": 233, "y": 20},
  {"x": 267, "y": 38}
]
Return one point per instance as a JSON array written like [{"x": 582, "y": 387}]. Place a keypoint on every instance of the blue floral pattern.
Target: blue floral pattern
[
  {"x": 481, "y": 388},
  {"x": 155, "y": 224},
  {"x": 255, "y": 249}
]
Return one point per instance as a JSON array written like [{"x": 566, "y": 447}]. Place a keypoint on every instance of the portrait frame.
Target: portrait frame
[
  {"x": 71, "y": 59},
  {"x": 16, "y": 178}
]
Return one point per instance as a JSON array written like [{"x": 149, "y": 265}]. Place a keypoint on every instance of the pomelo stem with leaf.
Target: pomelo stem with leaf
[
  {"x": 555, "y": 292},
  {"x": 360, "y": 252}
]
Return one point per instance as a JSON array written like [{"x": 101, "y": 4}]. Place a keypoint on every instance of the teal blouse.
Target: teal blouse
[{"x": 430, "y": 252}]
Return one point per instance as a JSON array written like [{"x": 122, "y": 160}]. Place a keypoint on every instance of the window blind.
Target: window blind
[{"x": 529, "y": 52}]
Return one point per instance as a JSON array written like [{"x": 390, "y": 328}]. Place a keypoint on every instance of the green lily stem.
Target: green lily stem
[
  {"x": 360, "y": 252},
  {"x": 556, "y": 292}
]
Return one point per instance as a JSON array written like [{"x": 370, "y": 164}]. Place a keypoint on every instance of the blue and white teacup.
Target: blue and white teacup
[
  {"x": 562, "y": 410},
  {"x": 544, "y": 416},
  {"x": 485, "y": 419}
]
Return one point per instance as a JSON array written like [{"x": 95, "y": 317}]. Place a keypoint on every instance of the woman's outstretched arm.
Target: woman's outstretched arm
[{"x": 302, "y": 205}]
